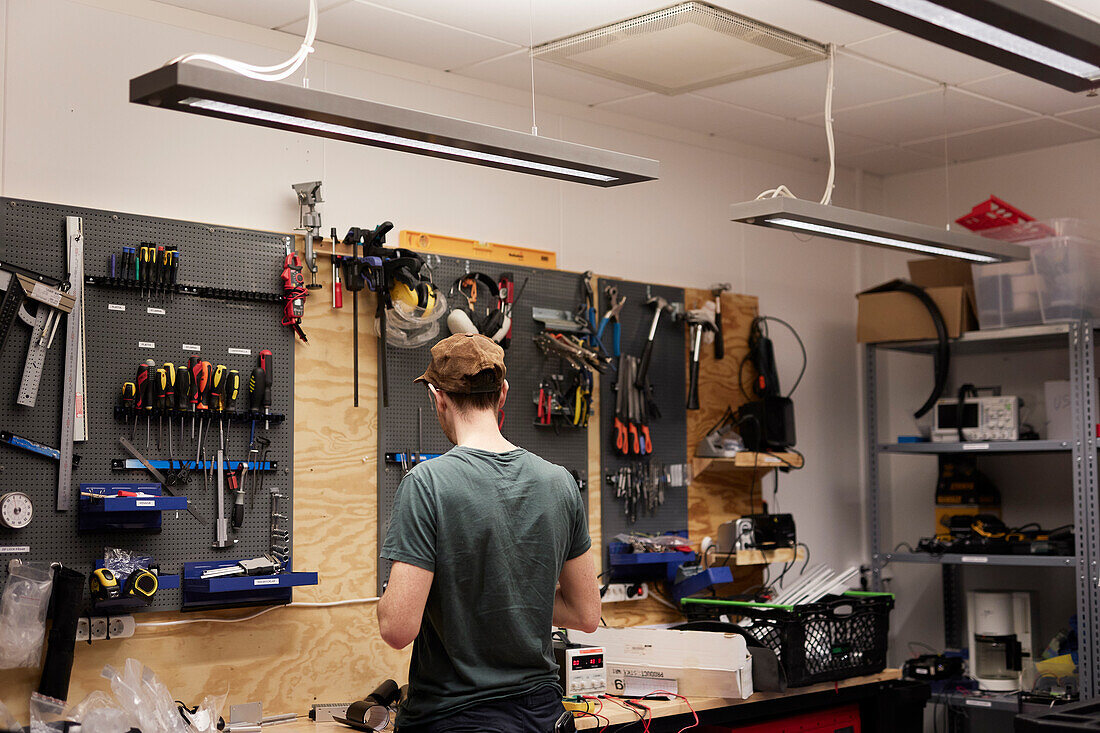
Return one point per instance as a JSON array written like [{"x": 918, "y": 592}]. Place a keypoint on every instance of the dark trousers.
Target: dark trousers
[{"x": 534, "y": 712}]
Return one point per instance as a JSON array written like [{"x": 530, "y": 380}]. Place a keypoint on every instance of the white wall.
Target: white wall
[
  {"x": 1049, "y": 183},
  {"x": 70, "y": 136}
]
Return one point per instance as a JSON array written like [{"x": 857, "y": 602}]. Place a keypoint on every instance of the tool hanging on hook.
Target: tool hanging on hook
[{"x": 309, "y": 195}]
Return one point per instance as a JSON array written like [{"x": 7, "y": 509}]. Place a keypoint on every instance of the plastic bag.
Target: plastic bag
[
  {"x": 145, "y": 698},
  {"x": 7, "y": 721},
  {"x": 46, "y": 714},
  {"x": 23, "y": 614},
  {"x": 123, "y": 562}
]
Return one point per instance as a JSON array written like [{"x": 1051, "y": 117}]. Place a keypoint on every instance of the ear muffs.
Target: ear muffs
[
  {"x": 464, "y": 319},
  {"x": 413, "y": 291},
  {"x": 458, "y": 321}
]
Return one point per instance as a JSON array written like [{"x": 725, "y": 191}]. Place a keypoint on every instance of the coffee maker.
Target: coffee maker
[{"x": 1002, "y": 631}]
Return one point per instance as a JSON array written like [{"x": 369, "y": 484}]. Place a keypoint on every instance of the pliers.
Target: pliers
[{"x": 612, "y": 316}]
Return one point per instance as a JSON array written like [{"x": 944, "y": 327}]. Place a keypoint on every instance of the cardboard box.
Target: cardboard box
[
  {"x": 702, "y": 663},
  {"x": 944, "y": 272},
  {"x": 901, "y": 317},
  {"x": 1059, "y": 410}
]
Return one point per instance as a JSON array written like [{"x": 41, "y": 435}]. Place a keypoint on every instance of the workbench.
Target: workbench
[{"x": 886, "y": 704}]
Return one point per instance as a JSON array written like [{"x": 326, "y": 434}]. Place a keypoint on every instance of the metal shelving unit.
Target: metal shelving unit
[{"x": 1077, "y": 339}]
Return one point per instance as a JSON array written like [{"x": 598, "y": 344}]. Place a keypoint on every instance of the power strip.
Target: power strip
[
  {"x": 102, "y": 628},
  {"x": 617, "y": 592}
]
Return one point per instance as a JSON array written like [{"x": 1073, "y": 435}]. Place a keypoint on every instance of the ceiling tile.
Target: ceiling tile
[
  {"x": 1030, "y": 135},
  {"x": 809, "y": 18},
  {"x": 550, "y": 79},
  {"x": 514, "y": 21},
  {"x": 266, "y": 13},
  {"x": 1030, "y": 93},
  {"x": 891, "y": 161},
  {"x": 800, "y": 91},
  {"x": 1088, "y": 117},
  {"x": 400, "y": 36},
  {"x": 926, "y": 58},
  {"x": 790, "y": 136},
  {"x": 922, "y": 116}
]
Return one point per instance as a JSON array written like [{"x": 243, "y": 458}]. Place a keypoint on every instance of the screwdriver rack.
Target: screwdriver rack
[
  {"x": 225, "y": 307},
  {"x": 199, "y": 291}
]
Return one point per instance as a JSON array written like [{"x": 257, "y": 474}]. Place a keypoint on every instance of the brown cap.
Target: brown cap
[{"x": 466, "y": 363}]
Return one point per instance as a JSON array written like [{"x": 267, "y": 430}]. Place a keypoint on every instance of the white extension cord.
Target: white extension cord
[
  {"x": 827, "y": 197},
  {"x": 303, "y": 604},
  {"x": 277, "y": 72}
]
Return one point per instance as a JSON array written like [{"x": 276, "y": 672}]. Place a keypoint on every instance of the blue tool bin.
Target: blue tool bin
[
  {"x": 125, "y": 513},
  {"x": 238, "y": 590}
]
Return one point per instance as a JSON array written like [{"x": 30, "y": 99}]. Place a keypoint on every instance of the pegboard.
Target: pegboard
[
  {"x": 409, "y": 402},
  {"x": 117, "y": 322},
  {"x": 669, "y": 431}
]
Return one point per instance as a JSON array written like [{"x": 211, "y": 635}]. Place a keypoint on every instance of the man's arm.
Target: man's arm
[
  {"x": 401, "y": 608},
  {"x": 577, "y": 599}
]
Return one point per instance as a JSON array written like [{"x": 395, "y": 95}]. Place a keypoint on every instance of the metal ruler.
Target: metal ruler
[
  {"x": 74, "y": 234},
  {"x": 36, "y": 358}
]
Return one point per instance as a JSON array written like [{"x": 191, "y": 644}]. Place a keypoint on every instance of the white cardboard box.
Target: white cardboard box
[{"x": 702, "y": 663}]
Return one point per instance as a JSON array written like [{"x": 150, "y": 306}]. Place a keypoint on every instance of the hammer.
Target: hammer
[
  {"x": 700, "y": 320},
  {"x": 719, "y": 346},
  {"x": 659, "y": 305}
]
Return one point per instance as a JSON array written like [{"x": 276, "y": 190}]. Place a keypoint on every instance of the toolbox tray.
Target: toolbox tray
[{"x": 832, "y": 639}]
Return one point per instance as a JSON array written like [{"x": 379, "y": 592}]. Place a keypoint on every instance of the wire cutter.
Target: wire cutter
[{"x": 612, "y": 316}]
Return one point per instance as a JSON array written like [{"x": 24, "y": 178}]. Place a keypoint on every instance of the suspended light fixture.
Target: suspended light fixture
[
  {"x": 807, "y": 217},
  {"x": 213, "y": 93},
  {"x": 1032, "y": 37}
]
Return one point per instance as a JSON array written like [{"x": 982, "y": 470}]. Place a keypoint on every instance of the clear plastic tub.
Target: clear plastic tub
[
  {"x": 1067, "y": 266},
  {"x": 1061, "y": 282},
  {"x": 1007, "y": 295}
]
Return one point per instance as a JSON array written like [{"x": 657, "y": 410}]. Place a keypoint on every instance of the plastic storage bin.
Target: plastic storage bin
[
  {"x": 1006, "y": 295},
  {"x": 1060, "y": 283}
]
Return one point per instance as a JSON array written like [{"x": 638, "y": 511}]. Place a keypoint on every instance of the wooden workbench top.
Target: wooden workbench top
[{"x": 660, "y": 709}]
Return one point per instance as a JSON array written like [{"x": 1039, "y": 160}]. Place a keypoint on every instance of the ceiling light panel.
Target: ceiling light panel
[
  {"x": 682, "y": 48},
  {"x": 223, "y": 94},
  {"x": 1031, "y": 37}
]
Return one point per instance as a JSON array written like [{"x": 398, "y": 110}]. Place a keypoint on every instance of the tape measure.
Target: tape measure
[
  {"x": 141, "y": 584},
  {"x": 15, "y": 510},
  {"x": 103, "y": 585}
]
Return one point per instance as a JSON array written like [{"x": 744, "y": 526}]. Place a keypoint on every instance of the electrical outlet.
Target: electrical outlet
[
  {"x": 97, "y": 628},
  {"x": 82, "y": 629},
  {"x": 625, "y": 592},
  {"x": 120, "y": 627}
]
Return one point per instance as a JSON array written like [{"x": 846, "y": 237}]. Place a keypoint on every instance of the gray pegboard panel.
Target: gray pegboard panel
[
  {"x": 32, "y": 234},
  {"x": 526, "y": 368},
  {"x": 669, "y": 431}
]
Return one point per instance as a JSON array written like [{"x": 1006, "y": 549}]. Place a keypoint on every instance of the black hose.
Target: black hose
[{"x": 942, "y": 355}]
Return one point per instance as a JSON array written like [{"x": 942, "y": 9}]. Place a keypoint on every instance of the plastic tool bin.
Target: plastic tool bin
[{"x": 1061, "y": 281}]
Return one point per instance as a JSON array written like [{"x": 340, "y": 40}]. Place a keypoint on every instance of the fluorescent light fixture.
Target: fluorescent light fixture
[
  {"x": 215, "y": 93},
  {"x": 1032, "y": 37},
  {"x": 791, "y": 214}
]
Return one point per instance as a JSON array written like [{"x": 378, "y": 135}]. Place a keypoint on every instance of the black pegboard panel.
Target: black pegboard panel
[
  {"x": 32, "y": 235},
  {"x": 526, "y": 368},
  {"x": 668, "y": 432}
]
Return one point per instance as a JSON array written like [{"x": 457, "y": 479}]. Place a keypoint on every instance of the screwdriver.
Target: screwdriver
[
  {"x": 136, "y": 254},
  {"x": 143, "y": 253},
  {"x": 144, "y": 388},
  {"x": 158, "y": 272},
  {"x": 160, "y": 394},
  {"x": 129, "y": 393},
  {"x": 174, "y": 273},
  {"x": 193, "y": 366},
  {"x": 266, "y": 358},
  {"x": 202, "y": 392},
  {"x": 256, "y": 386},
  {"x": 232, "y": 389},
  {"x": 217, "y": 400},
  {"x": 183, "y": 393},
  {"x": 169, "y": 399},
  {"x": 236, "y": 483}
]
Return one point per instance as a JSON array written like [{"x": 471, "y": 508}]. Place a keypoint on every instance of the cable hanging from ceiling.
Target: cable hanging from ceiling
[
  {"x": 827, "y": 197},
  {"x": 277, "y": 72}
]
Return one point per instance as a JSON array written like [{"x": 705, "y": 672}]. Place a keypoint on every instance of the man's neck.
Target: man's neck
[{"x": 480, "y": 430}]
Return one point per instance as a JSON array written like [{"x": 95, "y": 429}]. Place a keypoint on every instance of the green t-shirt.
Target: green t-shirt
[{"x": 496, "y": 529}]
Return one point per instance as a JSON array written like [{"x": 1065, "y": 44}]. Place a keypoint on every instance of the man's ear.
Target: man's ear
[{"x": 503, "y": 395}]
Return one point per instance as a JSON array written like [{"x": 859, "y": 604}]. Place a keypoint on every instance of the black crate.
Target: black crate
[{"x": 833, "y": 639}]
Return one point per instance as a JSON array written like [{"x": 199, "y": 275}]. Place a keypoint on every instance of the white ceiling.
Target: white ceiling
[{"x": 896, "y": 96}]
